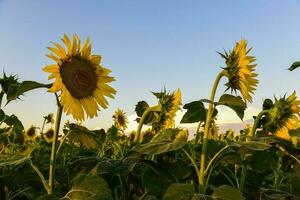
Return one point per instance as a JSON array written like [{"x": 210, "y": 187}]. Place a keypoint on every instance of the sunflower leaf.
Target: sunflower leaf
[
  {"x": 178, "y": 191},
  {"x": 226, "y": 192},
  {"x": 90, "y": 187},
  {"x": 294, "y": 65},
  {"x": 83, "y": 136},
  {"x": 195, "y": 112},
  {"x": 15, "y": 122},
  {"x": 16, "y": 90},
  {"x": 236, "y": 103}
]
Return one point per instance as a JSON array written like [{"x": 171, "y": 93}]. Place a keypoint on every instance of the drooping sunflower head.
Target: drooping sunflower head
[
  {"x": 79, "y": 77},
  {"x": 30, "y": 134},
  {"x": 49, "y": 119},
  {"x": 284, "y": 116},
  {"x": 48, "y": 136},
  {"x": 120, "y": 119},
  {"x": 170, "y": 104},
  {"x": 240, "y": 70}
]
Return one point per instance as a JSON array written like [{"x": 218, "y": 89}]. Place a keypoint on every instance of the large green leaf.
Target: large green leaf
[
  {"x": 15, "y": 90},
  {"x": 16, "y": 159},
  {"x": 195, "y": 112},
  {"x": 158, "y": 147},
  {"x": 179, "y": 191},
  {"x": 89, "y": 187},
  {"x": 87, "y": 138},
  {"x": 294, "y": 65},
  {"x": 226, "y": 192},
  {"x": 15, "y": 122},
  {"x": 164, "y": 142},
  {"x": 236, "y": 103}
]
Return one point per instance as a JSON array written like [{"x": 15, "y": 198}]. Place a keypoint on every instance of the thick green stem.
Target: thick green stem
[
  {"x": 252, "y": 133},
  {"x": 255, "y": 124},
  {"x": 54, "y": 146},
  {"x": 243, "y": 178},
  {"x": 138, "y": 136},
  {"x": 201, "y": 176}
]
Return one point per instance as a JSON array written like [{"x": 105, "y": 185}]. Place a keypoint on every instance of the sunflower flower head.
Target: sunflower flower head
[
  {"x": 182, "y": 135},
  {"x": 6, "y": 81},
  {"x": 240, "y": 70},
  {"x": 49, "y": 119},
  {"x": 48, "y": 136},
  {"x": 120, "y": 119},
  {"x": 79, "y": 77},
  {"x": 170, "y": 104},
  {"x": 213, "y": 129},
  {"x": 30, "y": 134},
  {"x": 284, "y": 116}
]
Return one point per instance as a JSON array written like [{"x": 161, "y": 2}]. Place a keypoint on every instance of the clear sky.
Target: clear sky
[{"x": 150, "y": 45}]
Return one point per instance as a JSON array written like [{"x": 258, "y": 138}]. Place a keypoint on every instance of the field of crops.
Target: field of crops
[{"x": 70, "y": 161}]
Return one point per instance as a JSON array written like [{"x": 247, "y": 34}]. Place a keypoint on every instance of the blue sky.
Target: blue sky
[{"x": 150, "y": 45}]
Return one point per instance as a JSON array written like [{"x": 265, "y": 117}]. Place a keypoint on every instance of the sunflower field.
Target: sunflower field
[{"x": 161, "y": 160}]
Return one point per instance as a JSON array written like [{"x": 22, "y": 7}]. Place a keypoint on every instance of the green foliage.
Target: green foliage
[
  {"x": 90, "y": 187},
  {"x": 179, "y": 191},
  {"x": 196, "y": 112},
  {"x": 295, "y": 65},
  {"x": 226, "y": 192},
  {"x": 161, "y": 144},
  {"x": 236, "y": 103},
  {"x": 16, "y": 90}
]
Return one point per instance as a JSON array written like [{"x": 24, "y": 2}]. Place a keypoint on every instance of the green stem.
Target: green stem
[
  {"x": 197, "y": 141},
  {"x": 54, "y": 145},
  {"x": 42, "y": 131},
  {"x": 214, "y": 158},
  {"x": 138, "y": 136},
  {"x": 201, "y": 176},
  {"x": 192, "y": 161},
  {"x": 243, "y": 178},
  {"x": 255, "y": 124},
  {"x": 62, "y": 141},
  {"x": 39, "y": 173},
  {"x": 252, "y": 133}
]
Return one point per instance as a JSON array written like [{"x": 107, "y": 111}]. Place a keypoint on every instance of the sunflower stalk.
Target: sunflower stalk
[
  {"x": 201, "y": 177},
  {"x": 42, "y": 130},
  {"x": 54, "y": 146},
  {"x": 255, "y": 124},
  {"x": 252, "y": 134},
  {"x": 39, "y": 173},
  {"x": 138, "y": 137}
]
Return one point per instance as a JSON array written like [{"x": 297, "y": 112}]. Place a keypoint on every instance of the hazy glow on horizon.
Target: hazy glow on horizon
[{"x": 149, "y": 45}]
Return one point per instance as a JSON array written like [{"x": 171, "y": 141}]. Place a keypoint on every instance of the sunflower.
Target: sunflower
[
  {"x": 182, "y": 135},
  {"x": 120, "y": 119},
  {"x": 213, "y": 129},
  {"x": 240, "y": 70},
  {"x": 284, "y": 116},
  {"x": 49, "y": 118},
  {"x": 30, "y": 134},
  {"x": 48, "y": 136},
  {"x": 170, "y": 104},
  {"x": 80, "y": 78}
]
